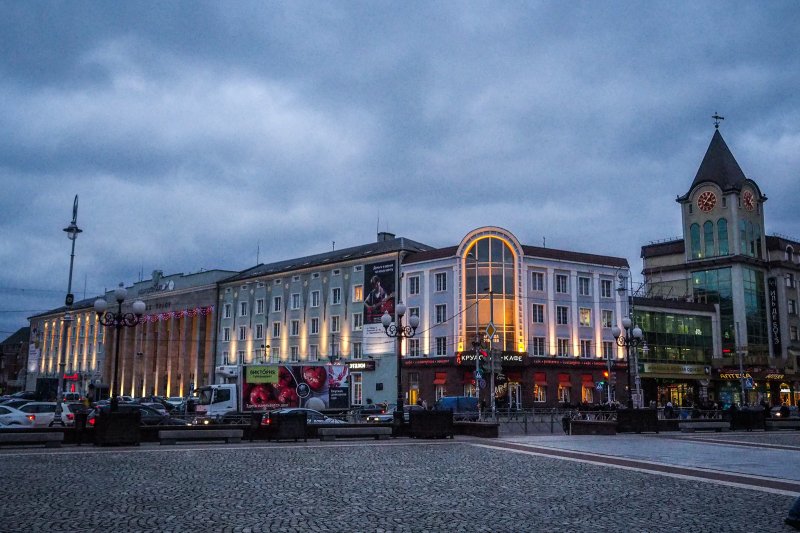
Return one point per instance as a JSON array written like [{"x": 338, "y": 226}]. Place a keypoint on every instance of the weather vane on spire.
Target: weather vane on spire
[{"x": 717, "y": 118}]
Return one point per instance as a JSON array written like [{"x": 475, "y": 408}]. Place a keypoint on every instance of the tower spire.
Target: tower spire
[{"x": 717, "y": 118}]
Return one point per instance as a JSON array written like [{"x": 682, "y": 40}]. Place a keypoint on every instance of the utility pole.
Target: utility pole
[
  {"x": 740, "y": 353},
  {"x": 491, "y": 348}
]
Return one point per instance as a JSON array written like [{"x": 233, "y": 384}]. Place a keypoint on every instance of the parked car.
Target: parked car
[
  {"x": 785, "y": 411},
  {"x": 157, "y": 406},
  {"x": 463, "y": 407},
  {"x": 16, "y": 403},
  {"x": 21, "y": 395},
  {"x": 150, "y": 416},
  {"x": 313, "y": 418},
  {"x": 44, "y": 413},
  {"x": 71, "y": 397},
  {"x": 388, "y": 416},
  {"x": 10, "y": 416}
]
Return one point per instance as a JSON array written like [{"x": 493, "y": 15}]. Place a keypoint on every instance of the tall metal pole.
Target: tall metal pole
[
  {"x": 72, "y": 233},
  {"x": 740, "y": 353},
  {"x": 491, "y": 347}
]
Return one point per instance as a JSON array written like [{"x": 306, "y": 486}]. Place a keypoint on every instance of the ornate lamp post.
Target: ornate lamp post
[
  {"x": 632, "y": 338},
  {"x": 72, "y": 234},
  {"x": 398, "y": 331},
  {"x": 118, "y": 320}
]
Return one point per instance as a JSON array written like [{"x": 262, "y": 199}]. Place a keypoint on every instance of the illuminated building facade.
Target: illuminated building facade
[{"x": 726, "y": 259}]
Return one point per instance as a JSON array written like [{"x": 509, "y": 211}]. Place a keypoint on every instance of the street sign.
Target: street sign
[
  {"x": 490, "y": 330},
  {"x": 478, "y": 375},
  {"x": 748, "y": 383},
  {"x": 482, "y": 383}
]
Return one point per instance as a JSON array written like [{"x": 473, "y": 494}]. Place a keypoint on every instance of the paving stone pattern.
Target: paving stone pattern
[{"x": 371, "y": 487}]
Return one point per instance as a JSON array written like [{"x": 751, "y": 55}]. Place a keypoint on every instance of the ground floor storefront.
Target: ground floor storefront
[{"x": 523, "y": 383}]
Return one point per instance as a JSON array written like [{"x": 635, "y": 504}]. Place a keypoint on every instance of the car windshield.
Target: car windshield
[{"x": 204, "y": 396}]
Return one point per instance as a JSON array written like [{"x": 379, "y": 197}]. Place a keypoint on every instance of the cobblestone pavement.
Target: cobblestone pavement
[{"x": 370, "y": 486}]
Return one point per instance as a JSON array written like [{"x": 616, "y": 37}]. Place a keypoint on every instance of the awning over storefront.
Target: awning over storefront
[
  {"x": 440, "y": 378},
  {"x": 468, "y": 377},
  {"x": 587, "y": 380},
  {"x": 540, "y": 378},
  {"x": 516, "y": 377},
  {"x": 563, "y": 380}
]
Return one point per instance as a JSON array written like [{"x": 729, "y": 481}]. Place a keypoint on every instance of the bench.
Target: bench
[
  {"x": 785, "y": 423},
  {"x": 172, "y": 436},
  {"x": 690, "y": 426},
  {"x": 379, "y": 432},
  {"x": 50, "y": 439}
]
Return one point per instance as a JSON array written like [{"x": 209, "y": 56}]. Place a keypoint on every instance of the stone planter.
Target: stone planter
[
  {"x": 637, "y": 420},
  {"x": 431, "y": 424}
]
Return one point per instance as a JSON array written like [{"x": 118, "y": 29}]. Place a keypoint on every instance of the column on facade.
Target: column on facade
[
  {"x": 206, "y": 370},
  {"x": 193, "y": 344}
]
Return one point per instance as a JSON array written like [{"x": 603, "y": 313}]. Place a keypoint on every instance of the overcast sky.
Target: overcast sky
[{"x": 195, "y": 132}]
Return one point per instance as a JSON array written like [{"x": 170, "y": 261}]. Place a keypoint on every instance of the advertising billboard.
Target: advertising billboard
[
  {"x": 266, "y": 387},
  {"x": 380, "y": 295}
]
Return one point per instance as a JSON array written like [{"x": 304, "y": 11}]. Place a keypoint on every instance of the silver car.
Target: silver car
[
  {"x": 44, "y": 413},
  {"x": 12, "y": 417}
]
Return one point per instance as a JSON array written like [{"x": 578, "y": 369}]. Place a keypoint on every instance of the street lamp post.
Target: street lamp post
[
  {"x": 398, "y": 331},
  {"x": 72, "y": 234},
  {"x": 632, "y": 338},
  {"x": 119, "y": 321}
]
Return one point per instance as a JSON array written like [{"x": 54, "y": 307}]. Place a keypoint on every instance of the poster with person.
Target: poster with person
[{"x": 379, "y": 279}]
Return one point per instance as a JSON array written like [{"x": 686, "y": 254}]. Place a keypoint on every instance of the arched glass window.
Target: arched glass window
[
  {"x": 708, "y": 238},
  {"x": 722, "y": 236},
  {"x": 694, "y": 235},
  {"x": 489, "y": 276},
  {"x": 743, "y": 237}
]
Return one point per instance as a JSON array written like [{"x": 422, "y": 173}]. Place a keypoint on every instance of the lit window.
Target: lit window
[
  {"x": 358, "y": 293},
  {"x": 586, "y": 316}
]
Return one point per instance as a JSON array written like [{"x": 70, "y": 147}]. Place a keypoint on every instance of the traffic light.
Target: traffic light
[
  {"x": 613, "y": 380},
  {"x": 497, "y": 363},
  {"x": 483, "y": 359},
  {"x": 605, "y": 377}
]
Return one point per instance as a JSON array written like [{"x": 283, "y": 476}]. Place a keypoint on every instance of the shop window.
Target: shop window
[
  {"x": 587, "y": 394},
  {"x": 563, "y": 393},
  {"x": 439, "y": 392},
  {"x": 540, "y": 393}
]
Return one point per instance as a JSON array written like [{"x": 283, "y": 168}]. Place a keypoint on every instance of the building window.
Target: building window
[
  {"x": 789, "y": 281},
  {"x": 441, "y": 346},
  {"x": 584, "y": 287},
  {"x": 413, "y": 347},
  {"x": 275, "y": 354},
  {"x": 294, "y": 328},
  {"x": 355, "y": 380},
  {"x": 540, "y": 393},
  {"x": 585, "y": 316},
  {"x": 605, "y": 288},
  {"x": 240, "y": 354},
  {"x": 413, "y": 285},
  {"x": 336, "y": 272},
  {"x": 259, "y": 331},
  {"x": 563, "y": 392},
  {"x": 537, "y": 281},
  {"x": 441, "y": 313},
  {"x": 260, "y": 306},
  {"x": 358, "y": 268},
  {"x": 336, "y": 295},
  {"x": 561, "y": 283},
  {"x": 314, "y": 298},
  {"x": 441, "y": 281},
  {"x": 586, "y": 348},
  {"x": 335, "y": 323},
  {"x": 358, "y": 293},
  {"x": 413, "y": 311},
  {"x": 792, "y": 307},
  {"x": 439, "y": 392},
  {"x": 537, "y": 346},
  {"x": 277, "y": 304},
  {"x": 335, "y": 349},
  {"x": 242, "y": 308},
  {"x": 607, "y": 318},
  {"x": 277, "y": 282},
  {"x": 296, "y": 300},
  {"x": 562, "y": 315},
  {"x": 708, "y": 238},
  {"x": 722, "y": 236},
  {"x": 358, "y": 321},
  {"x": 562, "y": 347},
  {"x": 537, "y": 314},
  {"x": 226, "y": 311},
  {"x": 313, "y": 352},
  {"x": 276, "y": 330},
  {"x": 295, "y": 278},
  {"x": 226, "y": 334},
  {"x": 694, "y": 239},
  {"x": 608, "y": 349},
  {"x": 358, "y": 352},
  {"x": 294, "y": 354},
  {"x": 793, "y": 333},
  {"x": 587, "y": 394},
  {"x": 226, "y": 359},
  {"x": 314, "y": 326}
]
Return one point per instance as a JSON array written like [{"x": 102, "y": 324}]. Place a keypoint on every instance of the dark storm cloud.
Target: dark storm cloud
[{"x": 197, "y": 133}]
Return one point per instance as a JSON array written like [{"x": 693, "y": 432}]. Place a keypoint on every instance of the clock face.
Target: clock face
[
  {"x": 707, "y": 201},
  {"x": 748, "y": 200}
]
